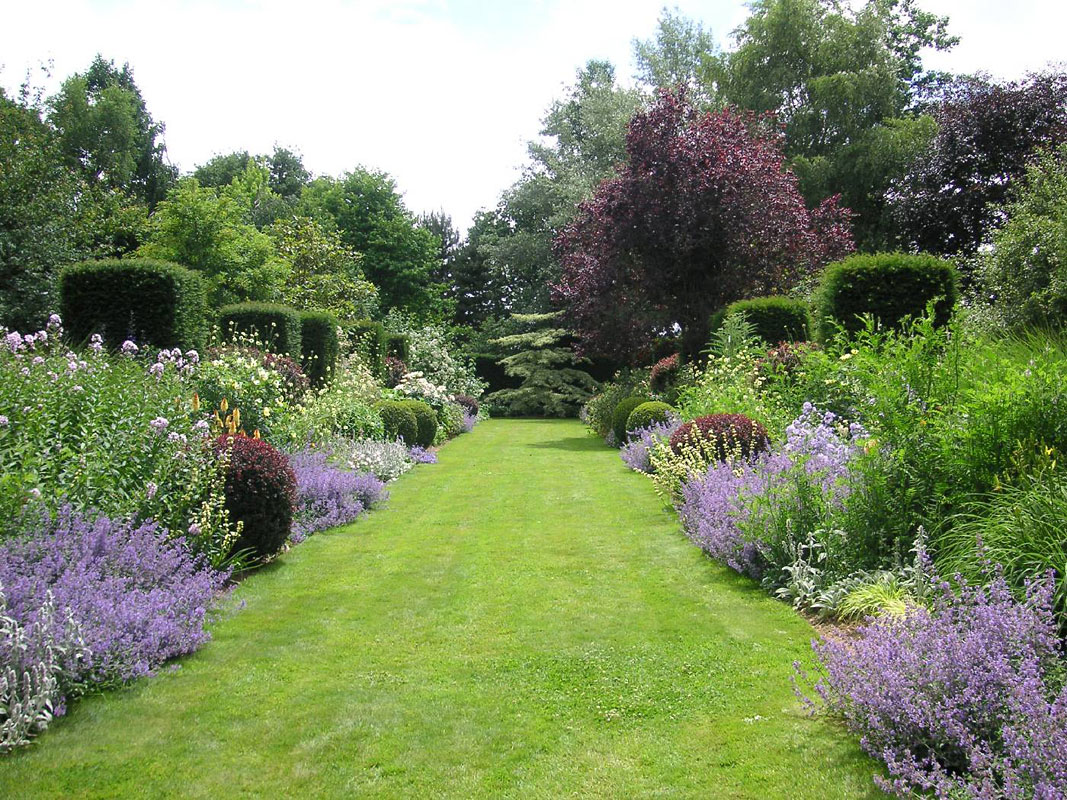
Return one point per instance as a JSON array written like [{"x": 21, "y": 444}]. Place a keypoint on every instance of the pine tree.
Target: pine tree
[{"x": 552, "y": 383}]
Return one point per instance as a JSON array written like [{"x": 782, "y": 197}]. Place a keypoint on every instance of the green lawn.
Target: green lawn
[{"x": 523, "y": 619}]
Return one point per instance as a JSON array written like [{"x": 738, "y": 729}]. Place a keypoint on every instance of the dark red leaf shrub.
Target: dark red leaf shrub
[
  {"x": 395, "y": 369},
  {"x": 729, "y": 434},
  {"x": 665, "y": 372},
  {"x": 260, "y": 492},
  {"x": 469, "y": 404},
  {"x": 702, "y": 214}
]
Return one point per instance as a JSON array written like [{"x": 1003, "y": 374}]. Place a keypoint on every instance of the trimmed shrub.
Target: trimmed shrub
[
  {"x": 648, "y": 414},
  {"x": 727, "y": 435},
  {"x": 888, "y": 286},
  {"x": 260, "y": 493},
  {"x": 153, "y": 303},
  {"x": 318, "y": 345},
  {"x": 398, "y": 346},
  {"x": 369, "y": 339},
  {"x": 621, "y": 416},
  {"x": 775, "y": 319},
  {"x": 426, "y": 422},
  {"x": 399, "y": 420},
  {"x": 665, "y": 372},
  {"x": 469, "y": 403},
  {"x": 276, "y": 328}
]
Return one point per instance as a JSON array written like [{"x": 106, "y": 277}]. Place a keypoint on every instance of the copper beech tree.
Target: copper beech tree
[{"x": 703, "y": 214}]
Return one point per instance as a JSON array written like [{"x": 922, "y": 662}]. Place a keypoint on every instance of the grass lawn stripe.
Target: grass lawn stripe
[{"x": 523, "y": 619}]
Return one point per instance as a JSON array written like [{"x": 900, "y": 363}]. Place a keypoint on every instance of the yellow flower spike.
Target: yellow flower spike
[
  {"x": 255, "y": 433},
  {"x": 196, "y": 402},
  {"x": 237, "y": 416},
  {"x": 224, "y": 406}
]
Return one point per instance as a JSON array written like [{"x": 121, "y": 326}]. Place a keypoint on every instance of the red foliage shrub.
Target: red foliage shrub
[
  {"x": 728, "y": 434},
  {"x": 665, "y": 372},
  {"x": 260, "y": 492}
]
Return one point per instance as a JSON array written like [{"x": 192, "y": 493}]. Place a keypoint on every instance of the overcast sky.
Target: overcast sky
[{"x": 441, "y": 94}]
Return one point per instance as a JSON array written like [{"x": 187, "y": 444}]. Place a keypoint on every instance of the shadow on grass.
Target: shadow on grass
[{"x": 578, "y": 443}]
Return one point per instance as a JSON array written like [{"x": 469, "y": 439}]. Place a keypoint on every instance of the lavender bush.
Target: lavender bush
[
  {"x": 966, "y": 698},
  {"x": 136, "y": 596},
  {"x": 420, "y": 455},
  {"x": 328, "y": 495},
  {"x": 637, "y": 452},
  {"x": 747, "y": 513}
]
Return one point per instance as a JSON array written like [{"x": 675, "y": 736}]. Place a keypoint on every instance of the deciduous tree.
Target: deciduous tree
[{"x": 702, "y": 214}]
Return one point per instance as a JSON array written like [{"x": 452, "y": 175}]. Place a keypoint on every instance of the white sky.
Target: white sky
[{"x": 441, "y": 94}]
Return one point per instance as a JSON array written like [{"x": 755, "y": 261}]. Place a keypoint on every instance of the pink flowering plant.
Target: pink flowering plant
[{"x": 114, "y": 432}]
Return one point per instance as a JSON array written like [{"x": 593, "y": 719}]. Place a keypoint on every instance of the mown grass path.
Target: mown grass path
[{"x": 521, "y": 620}]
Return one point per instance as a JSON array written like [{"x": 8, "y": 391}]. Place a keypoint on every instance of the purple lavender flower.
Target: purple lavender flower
[
  {"x": 129, "y": 348},
  {"x": 469, "y": 421},
  {"x": 637, "y": 451},
  {"x": 327, "y": 495},
  {"x": 421, "y": 455},
  {"x": 137, "y": 596},
  {"x": 719, "y": 506},
  {"x": 965, "y": 698}
]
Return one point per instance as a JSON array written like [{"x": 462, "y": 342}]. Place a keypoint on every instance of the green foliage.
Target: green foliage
[
  {"x": 426, "y": 422},
  {"x": 368, "y": 338},
  {"x": 683, "y": 53},
  {"x": 319, "y": 345},
  {"x": 620, "y": 417},
  {"x": 774, "y": 319},
  {"x": 887, "y": 286},
  {"x": 648, "y": 413},
  {"x": 1026, "y": 270},
  {"x": 398, "y": 346},
  {"x": 151, "y": 302},
  {"x": 49, "y": 216},
  {"x": 1019, "y": 527},
  {"x": 369, "y": 215},
  {"x": 552, "y": 385},
  {"x": 210, "y": 233},
  {"x": 326, "y": 274},
  {"x": 343, "y": 409},
  {"x": 599, "y": 410},
  {"x": 275, "y": 327},
  {"x": 399, "y": 420},
  {"x": 106, "y": 133}
]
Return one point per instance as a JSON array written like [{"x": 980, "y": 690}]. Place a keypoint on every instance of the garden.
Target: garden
[{"x": 726, "y": 454}]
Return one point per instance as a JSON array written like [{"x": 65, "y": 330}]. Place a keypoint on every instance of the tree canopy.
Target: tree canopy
[{"x": 702, "y": 214}]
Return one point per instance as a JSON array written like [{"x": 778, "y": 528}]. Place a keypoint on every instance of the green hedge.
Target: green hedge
[
  {"x": 369, "y": 338},
  {"x": 621, "y": 416},
  {"x": 318, "y": 345},
  {"x": 275, "y": 327},
  {"x": 398, "y": 346},
  {"x": 426, "y": 422},
  {"x": 399, "y": 420},
  {"x": 154, "y": 303},
  {"x": 776, "y": 318},
  {"x": 648, "y": 413},
  {"x": 888, "y": 286}
]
